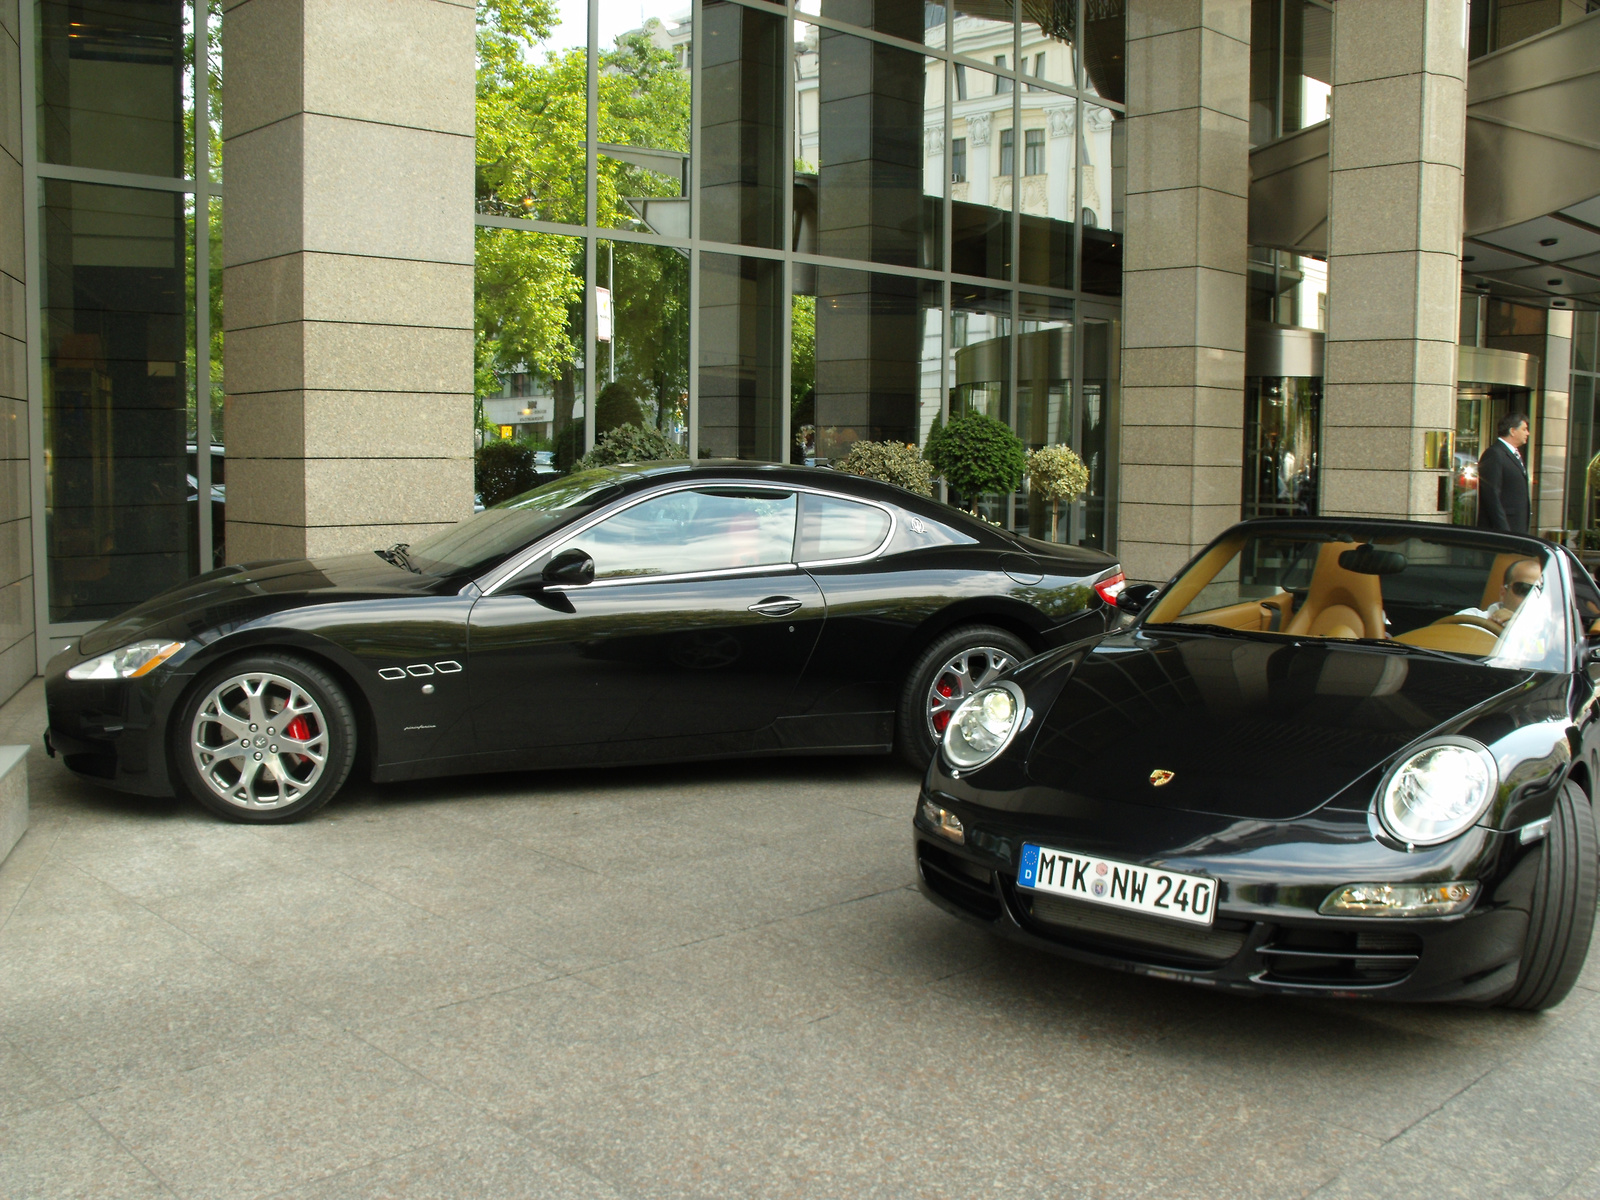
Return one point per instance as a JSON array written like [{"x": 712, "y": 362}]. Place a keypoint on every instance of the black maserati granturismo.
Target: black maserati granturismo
[{"x": 627, "y": 614}]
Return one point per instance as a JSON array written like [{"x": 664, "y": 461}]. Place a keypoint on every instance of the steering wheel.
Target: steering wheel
[{"x": 1468, "y": 619}]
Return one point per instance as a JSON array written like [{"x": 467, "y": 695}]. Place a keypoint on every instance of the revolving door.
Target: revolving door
[{"x": 1282, "y": 421}]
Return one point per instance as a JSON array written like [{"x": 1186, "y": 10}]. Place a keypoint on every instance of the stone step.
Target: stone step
[{"x": 13, "y": 796}]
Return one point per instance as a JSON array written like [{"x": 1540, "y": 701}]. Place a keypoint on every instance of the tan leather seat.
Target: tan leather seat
[{"x": 1341, "y": 603}]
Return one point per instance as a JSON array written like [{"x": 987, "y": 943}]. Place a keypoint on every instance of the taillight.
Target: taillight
[{"x": 1111, "y": 587}]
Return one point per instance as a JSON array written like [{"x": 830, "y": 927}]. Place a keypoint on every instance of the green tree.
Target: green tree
[
  {"x": 976, "y": 454},
  {"x": 531, "y": 148}
]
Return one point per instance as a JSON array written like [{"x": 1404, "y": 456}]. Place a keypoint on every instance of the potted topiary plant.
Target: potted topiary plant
[
  {"x": 892, "y": 462},
  {"x": 976, "y": 454},
  {"x": 1055, "y": 473}
]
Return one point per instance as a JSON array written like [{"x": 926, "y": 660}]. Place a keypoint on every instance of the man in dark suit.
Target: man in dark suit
[{"x": 1503, "y": 478}]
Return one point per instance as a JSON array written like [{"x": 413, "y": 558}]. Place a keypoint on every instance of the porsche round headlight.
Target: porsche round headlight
[
  {"x": 128, "y": 662},
  {"x": 1439, "y": 791},
  {"x": 984, "y": 725}
]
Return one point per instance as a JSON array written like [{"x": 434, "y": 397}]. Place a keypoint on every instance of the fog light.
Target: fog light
[
  {"x": 1400, "y": 899},
  {"x": 944, "y": 822}
]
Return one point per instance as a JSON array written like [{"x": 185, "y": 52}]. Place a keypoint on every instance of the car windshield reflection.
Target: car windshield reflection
[
  {"x": 489, "y": 537},
  {"x": 1452, "y": 595}
]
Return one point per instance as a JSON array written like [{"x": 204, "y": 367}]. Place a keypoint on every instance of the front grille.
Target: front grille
[
  {"x": 1341, "y": 958},
  {"x": 1216, "y": 944},
  {"x": 962, "y": 883}
]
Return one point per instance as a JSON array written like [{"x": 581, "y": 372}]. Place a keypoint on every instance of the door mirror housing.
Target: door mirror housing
[
  {"x": 1136, "y": 597},
  {"x": 569, "y": 568}
]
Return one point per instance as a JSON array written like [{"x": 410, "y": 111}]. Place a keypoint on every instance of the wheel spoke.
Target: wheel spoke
[
  {"x": 255, "y": 702},
  {"x": 231, "y": 724}
]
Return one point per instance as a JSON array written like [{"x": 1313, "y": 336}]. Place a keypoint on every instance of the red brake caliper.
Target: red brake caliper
[
  {"x": 942, "y": 718},
  {"x": 299, "y": 731}
]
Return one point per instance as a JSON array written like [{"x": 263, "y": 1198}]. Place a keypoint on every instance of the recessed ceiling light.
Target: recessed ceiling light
[
  {"x": 1554, "y": 282},
  {"x": 1548, "y": 241}
]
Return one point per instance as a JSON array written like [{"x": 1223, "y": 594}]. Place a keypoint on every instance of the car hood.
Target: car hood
[
  {"x": 1248, "y": 728},
  {"x": 232, "y": 595}
]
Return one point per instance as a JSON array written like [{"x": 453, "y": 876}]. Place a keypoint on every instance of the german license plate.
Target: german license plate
[{"x": 1152, "y": 890}]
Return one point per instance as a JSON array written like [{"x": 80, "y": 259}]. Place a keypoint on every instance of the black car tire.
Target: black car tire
[
  {"x": 331, "y": 706},
  {"x": 1561, "y": 915},
  {"x": 915, "y": 739}
]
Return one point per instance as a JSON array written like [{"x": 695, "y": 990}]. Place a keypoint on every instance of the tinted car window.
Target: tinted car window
[
  {"x": 487, "y": 538},
  {"x": 694, "y": 530},
  {"x": 834, "y": 528}
]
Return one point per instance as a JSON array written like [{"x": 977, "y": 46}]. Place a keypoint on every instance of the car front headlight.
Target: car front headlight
[
  {"x": 1438, "y": 791},
  {"x": 984, "y": 725},
  {"x": 129, "y": 662}
]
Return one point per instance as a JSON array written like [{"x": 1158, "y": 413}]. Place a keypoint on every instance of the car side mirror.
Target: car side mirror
[
  {"x": 569, "y": 568},
  {"x": 1136, "y": 597}
]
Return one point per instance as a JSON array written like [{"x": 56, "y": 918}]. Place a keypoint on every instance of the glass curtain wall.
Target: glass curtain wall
[
  {"x": 123, "y": 155},
  {"x": 775, "y": 230},
  {"x": 1291, "y": 88}
]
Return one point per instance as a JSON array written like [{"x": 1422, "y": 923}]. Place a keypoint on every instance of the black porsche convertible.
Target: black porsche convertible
[
  {"x": 627, "y": 614},
  {"x": 1330, "y": 757}
]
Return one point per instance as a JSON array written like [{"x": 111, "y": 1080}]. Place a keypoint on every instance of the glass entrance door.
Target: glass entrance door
[
  {"x": 1282, "y": 417},
  {"x": 1479, "y": 407}
]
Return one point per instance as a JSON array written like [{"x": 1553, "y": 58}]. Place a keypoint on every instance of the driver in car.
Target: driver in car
[{"x": 1521, "y": 577}]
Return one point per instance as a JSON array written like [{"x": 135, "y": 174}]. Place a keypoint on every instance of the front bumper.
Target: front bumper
[
  {"x": 1266, "y": 938},
  {"x": 112, "y": 731}
]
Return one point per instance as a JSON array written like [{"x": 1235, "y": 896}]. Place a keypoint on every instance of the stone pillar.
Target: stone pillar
[
  {"x": 347, "y": 253},
  {"x": 1394, "y": 252},
  {"x": 1550, "y": 472},
  {"x": 17, "y": 661},
  {"x": 1183, "y": 279}
]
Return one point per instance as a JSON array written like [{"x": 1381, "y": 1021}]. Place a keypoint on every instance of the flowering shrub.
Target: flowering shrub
[
  {"x": 629, "y": 444},
  {"x": 892, "y": 462},
  {"x": 1057, "y": 473}
]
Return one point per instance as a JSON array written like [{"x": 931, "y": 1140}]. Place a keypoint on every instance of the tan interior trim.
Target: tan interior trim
[{"x": 1191, "y": 582}]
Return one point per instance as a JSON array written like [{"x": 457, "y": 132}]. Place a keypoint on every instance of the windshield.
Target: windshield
[
  {"x": 489, "y": 537},
  {"x": 1457, "y": 596}
]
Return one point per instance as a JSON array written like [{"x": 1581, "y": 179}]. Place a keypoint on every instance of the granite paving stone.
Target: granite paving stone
[
  {"x": 61, "y": 1151},
  {"x": 23, "y": 1086},
  {"x": 285, "y": 1115},
  {"x": 521, "y": 1053},
  {"x": 480, "y": 1161},
  {"x": 98, "y": 990},
  {"x": 1527, "y": 1126},
  {"x": 347, "y": 951}
]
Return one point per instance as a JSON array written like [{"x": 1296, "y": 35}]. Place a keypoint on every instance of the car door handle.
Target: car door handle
[{"x": 775, "y": 606}]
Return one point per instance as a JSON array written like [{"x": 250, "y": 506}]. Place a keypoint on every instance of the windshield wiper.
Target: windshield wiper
[
  {"x": 1388, "y": 644},
  {"x": 397, "y": 555},
  {"x": 1407, "y": 648}
]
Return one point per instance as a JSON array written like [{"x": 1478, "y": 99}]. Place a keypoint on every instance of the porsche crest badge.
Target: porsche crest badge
[{"x": 1160, "y": 778}]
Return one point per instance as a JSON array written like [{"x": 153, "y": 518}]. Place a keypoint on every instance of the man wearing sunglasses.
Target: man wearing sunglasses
[{"x": 1521, "y": 577}]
